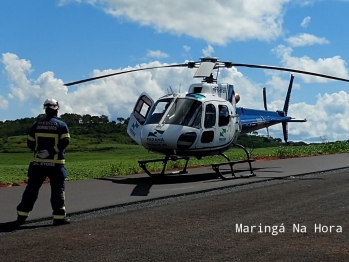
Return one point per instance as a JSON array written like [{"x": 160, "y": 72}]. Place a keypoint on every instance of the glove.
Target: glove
[{"x": 43, "y": 154}]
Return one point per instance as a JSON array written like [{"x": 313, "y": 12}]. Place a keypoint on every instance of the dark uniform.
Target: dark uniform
[{"x": 48, "y": 138}]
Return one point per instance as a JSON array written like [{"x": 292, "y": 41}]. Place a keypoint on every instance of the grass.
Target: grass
[{"x": 120, "y": 159}]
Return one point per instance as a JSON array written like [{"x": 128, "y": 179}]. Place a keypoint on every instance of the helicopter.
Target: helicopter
[{"x": 204, "y": 121}]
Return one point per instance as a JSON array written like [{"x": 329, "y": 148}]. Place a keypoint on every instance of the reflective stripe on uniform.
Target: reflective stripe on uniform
[
  {"x": 47, "y": 135},
  {"x": 58, "y": 216},
  {"x": 55, "y": 157},
  {"x": 65, "y": 135},
  {"x": 55, "y": 161},
  {"x": 31, "y": 138},
  {"x": 21, "y": 213}
]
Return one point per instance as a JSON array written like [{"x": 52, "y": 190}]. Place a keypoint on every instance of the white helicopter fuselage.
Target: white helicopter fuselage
[{"x": 199, "y": 123}]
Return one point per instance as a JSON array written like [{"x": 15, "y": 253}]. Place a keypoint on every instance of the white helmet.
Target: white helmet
[{"x": 51, "y": 103}]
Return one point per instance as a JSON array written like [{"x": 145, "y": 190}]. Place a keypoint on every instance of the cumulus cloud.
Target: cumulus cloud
[
  {"x": 3, "y": 103},
  {"x": 186, "y": 48},
  {"x": 156, "y": 54},
  {"x": 327, "y": 117},
  {"x": 305, "y": 22},
  {"x": 306, "y": 39},
  {"x": 217, "y": 22},
  {"x": 334, "y": 66},
  {"x": 278, "y": 86},
  {"x": 208, "y": 51},
  {"x": 304, "y": 2},
  {"x": 113, "y": 96}
]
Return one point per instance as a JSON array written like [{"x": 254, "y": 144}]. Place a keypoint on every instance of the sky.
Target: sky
[{"x": 44, "y": 44}]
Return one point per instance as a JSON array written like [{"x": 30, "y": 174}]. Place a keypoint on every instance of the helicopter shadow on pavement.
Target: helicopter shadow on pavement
[
  {"x": 143, "y": 183},
  {"x": 266, "y": 173},
  {"x": 257, "y": 170}
]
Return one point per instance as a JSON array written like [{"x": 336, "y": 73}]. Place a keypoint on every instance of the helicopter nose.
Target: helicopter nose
[{"x": 186, "y": 140}]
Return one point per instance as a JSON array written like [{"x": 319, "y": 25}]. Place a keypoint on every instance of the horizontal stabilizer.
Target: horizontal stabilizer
[
  {"x": 284, "y": 119},
  {"x": 297, "y": 120}
]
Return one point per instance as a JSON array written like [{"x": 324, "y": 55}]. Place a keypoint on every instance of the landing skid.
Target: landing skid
[
  {"x": 215, "y": 167},
  {"x": 232, "y": 175},
  {"x": 143, "y": 165}
]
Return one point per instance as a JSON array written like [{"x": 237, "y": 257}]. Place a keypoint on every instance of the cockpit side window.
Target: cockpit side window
[{"x": 210, "y": 116}]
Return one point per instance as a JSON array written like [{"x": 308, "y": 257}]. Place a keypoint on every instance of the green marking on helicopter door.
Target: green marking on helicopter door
[
  {"x": 224, "y": 130},
  {"x": 135, "y": 125},
  {"x": 222, "y": 134}
]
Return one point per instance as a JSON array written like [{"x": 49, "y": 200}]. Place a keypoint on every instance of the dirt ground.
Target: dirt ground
[{"x": 205, "y": 229}]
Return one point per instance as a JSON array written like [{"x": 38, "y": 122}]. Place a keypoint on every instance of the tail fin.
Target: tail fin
[
  {"x": 288, "y": 96},
  {"x": 265, "y": 105},
  {"x": 286, "y": 105}
]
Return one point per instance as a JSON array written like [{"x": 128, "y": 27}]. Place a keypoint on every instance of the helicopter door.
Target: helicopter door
[
  {"x": 209, "y": 126},
  {"x": 138, "y": 116},
  {"x": 216, "y": 128},
  {"x": 224, "y": 126}
]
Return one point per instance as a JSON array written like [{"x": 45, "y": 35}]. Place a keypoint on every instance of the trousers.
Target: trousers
[{"x": 37, "y": 173}]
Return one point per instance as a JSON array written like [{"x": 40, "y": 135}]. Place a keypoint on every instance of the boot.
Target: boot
[
  {"x": 58, "y": 222},
  {"x": 20, "y": 220}
]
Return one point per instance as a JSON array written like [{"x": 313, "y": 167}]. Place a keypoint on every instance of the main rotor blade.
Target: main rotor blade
[
  {"x": 123, "y": 72},
  {"x": 291, "y": 70}
]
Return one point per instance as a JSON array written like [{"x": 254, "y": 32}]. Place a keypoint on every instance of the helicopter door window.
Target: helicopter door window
[
  {"x": 210, "y": 116},
  {"x": 142, "y": 108},
  {"x": 223, "y": 115}
]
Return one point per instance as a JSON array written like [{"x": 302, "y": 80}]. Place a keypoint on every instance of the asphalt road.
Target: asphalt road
[
  {"x": 203, "y": 227},
  {"x": 87, "y": 195}
]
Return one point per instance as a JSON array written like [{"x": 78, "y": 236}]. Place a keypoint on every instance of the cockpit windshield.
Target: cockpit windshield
[
  {"x": 185, "y": 112},
  {"x": 158, "y": 111}
]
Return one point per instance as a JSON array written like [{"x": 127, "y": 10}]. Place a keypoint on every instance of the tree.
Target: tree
[{"x": 120, "y": 119}]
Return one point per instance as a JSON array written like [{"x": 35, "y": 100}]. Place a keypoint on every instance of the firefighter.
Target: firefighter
[{"x": 48, "y": 139}]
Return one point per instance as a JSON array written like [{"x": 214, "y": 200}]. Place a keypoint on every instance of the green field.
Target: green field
[{"x": 120, "y": 159}]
